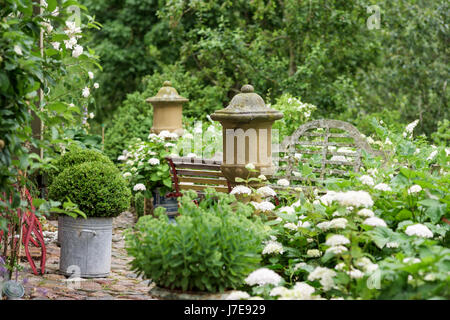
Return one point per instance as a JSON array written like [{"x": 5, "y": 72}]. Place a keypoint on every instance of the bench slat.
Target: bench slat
[
  {"x": 202, "y": 173},
  {"x": 198, "y": 166},
  {"x": 221, "y": 182},
  {"x": 202, "y": 187}
]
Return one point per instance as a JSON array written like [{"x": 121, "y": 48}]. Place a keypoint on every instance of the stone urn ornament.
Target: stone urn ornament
[
  {"x": 247, "y": 135},
  {"x": 167, "y": 110}
]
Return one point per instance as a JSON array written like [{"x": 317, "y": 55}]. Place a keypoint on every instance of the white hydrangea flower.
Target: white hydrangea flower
[
  {"x": 419, "y": 230},
  {"x": 287, "y": 210},
  {"x": 388, "y": 142},
  {"x": 366, "y": 264},
  {"x": 198, "y": 130},
  {"x": 375, "y": 222},
  {"x": 250, "y": 166},
  {"x": 164, "y": 134},
  {"x": 368, "y": 180},
  {"x": 313, "y": 253},
  {"x": 127, "y": 174},
  {"x": 86, "y": 92},
  {"x": 340, "y": 266},
  {"x": 338, "y": 223},
  {"x": 305, "y": 224},
  {"x": 283, "y": 182},
  {"x": 336, "y": 240},
  {"x": 290, "y": 226},
  {"x": 429, "y": 277},
  {"x": 91, "y": 115},
  {"x": 278, "y": 291},
  {"x": 392, "y": 245},
  {"x": 91, "y": 75},
  {"x": 366, "y": 213},
  {"x": 300, "y": 291},
  {"x": 412, "y": 260},
  {"x": 262, "y": 177},
  {"x": 262, "y": 277},
  {"x": 152, "y": 136},
  {"x": 121, "y": 158},
  {"x": 325, "y": 276},
  {"x": 238, "y": 295},
  {"x": 349, "y": 198},
  {"x": 130, "y": 162},
  {"x": 96, "y": 85},
  {"x": 139, "y": 187},
  {"x": 241, "y": 190},
  {"x": 266, "y": 191},
  {"x": 299, "y": 265},
  {"x": 324, "y": 225},
  {"x": 432, "y": 155},
  {"x": 264, "y": 206},
  {"x": 382, "y": 187},
  {"x": 273, "y": 247},
  {"x": 134, "y": 169},
  {"x": 296, "y": 204},
  {"x": 414, "y": 189},
  {"x": 154, "y": 161},
  {"x": 336, "y": 249},
  {"x": 355, "y": 274}
]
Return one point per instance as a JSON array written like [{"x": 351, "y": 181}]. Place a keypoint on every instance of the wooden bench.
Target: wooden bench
[
  {"x": 196, "y": 174},
  {"x": 330, "y": 149}
]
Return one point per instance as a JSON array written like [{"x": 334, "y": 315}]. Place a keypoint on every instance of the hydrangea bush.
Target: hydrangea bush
[
  {"x": 380, "y": 234},
  {"x": 144, "y": 164}
]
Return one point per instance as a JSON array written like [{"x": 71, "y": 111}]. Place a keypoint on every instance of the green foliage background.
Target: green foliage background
[{"x": 320, "y": 51}]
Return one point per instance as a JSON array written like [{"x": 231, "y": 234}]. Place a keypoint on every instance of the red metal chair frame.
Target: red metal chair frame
[{"x": 31, "y": 232}]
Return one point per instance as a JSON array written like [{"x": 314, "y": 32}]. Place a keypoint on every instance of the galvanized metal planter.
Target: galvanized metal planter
[{"x": 85, "y": 246}]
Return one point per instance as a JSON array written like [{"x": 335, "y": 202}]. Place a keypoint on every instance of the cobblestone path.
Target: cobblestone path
[{"x": 122, "y": 284}]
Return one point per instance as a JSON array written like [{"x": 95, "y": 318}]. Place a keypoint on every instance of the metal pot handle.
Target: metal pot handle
[{"x": 88, "y": 231}]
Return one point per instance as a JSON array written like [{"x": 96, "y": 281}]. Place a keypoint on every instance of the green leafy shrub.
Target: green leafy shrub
[
  {"x": 132, "y": 120},
  {"x": 211, "y": 247},
  {"x": 442, "y": 134},
  {"x": 76, "y": 156},
  {"x": 295, "y": 113},
  {"x": 139, "y": 204},
  {"x": 97, "y": 188}
]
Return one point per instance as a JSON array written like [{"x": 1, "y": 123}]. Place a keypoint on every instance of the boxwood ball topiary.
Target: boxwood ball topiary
[
  {"x": 98, "y": 188},
  {"x": 76, "y": 156}
]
